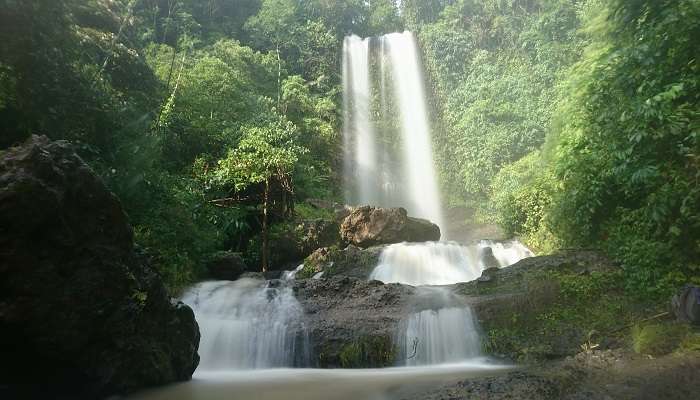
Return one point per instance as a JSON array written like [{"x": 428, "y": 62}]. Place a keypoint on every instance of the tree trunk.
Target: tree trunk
[
  {"x": 265, "y": 244},
  {"x": 279, "y": 77}
]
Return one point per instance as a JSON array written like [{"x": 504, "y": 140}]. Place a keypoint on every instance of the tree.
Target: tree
[{"x": 266, "y": 155}]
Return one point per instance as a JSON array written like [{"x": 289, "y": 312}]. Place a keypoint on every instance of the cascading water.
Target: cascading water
[
  {"x": 247, "y": 324},
  {"x": 442, "y": 263},
  {"x": 446, "y": 335},
  {"x": 371, "y": 176},
  {"x": 444, "y": 330}
]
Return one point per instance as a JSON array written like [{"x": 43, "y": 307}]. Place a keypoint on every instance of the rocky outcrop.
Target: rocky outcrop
[
  {"x": 81, "y": 313},
  {"x": 353, "y": 322},
  {"x": 546, "y": 307},
  {"x": 294, "y": 242},
  {"x": 351, "y": 261},
  {"x": 225, "y": 265},
  {"x": 370, "y": 226}
]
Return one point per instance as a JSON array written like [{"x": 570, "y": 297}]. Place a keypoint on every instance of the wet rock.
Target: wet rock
[
  {"x": 82, "y": 314},
  {"x": 351, "y": 261},
  {"x": 488, "y": 259},
  {"x": 686, "y": 304},
  {"x": 370, "y": 226},
  {"x": 226, "y": 265},
  {"x": 488, "y": 275},
  {"x": 353, "y": 322}
]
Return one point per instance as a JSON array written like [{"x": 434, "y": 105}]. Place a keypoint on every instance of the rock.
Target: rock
[
  {"x": 511, "y": 304},
  {"x": 370, "y": 226},
  {"x": 252, "y": 275},
  {"x": 226, "y": 265},
  {"x": 82, "y": 314},
  {"x": 686, "y": 304},
  {"x": 353, "y": 323},
  {"x": 293, "y": 243},
  {"x": 351, "y": 261},
  {"x": 488, "y": 275},
  {"x": 488, "y": 259}
]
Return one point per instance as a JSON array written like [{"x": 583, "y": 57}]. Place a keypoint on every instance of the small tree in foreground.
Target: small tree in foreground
[{"x": 267, "y": 154}]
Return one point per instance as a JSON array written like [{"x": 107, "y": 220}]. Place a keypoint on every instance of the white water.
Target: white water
[
  {"x": 370, "y": 175},
  {"x": 442, "y": 263},
  {"x": 444, "y": 332},
  {"x": 418, "y": 153},
  {"x": 246, "y": 325},
  {"x": 440, "y": 336},
  {"x": 358, "y": 130}
]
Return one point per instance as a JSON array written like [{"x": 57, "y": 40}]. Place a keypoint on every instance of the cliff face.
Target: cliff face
[{"x": 81, "y": 313}]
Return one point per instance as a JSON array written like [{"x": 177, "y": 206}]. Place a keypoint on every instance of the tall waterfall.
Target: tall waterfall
[
  {"x": 382, "y": 167},
  {"x": 247, "y": 324}
]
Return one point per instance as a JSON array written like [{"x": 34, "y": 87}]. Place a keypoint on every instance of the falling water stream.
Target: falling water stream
[
  {"x": 381, "y": 169},
  {"x": 253, "y": 336}
]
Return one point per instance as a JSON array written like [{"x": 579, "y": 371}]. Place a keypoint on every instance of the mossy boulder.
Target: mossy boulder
[
  {"x": 351, "y": 261},
  {"x": 550, "y": 307}
]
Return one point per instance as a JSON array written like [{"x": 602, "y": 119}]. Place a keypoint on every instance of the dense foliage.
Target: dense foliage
[
  {"x": 571, "y": 123},
  {"x": 188, "y": 109},
  {"x": 575, "y": 124}
]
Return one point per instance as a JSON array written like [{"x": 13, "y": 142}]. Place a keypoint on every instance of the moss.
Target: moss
[
  {"x": 367, "y": 352},
  {"x": 659, "y": 339},
  {"x": 555, "y": 313},
  {"x": 306, "y": 211}
]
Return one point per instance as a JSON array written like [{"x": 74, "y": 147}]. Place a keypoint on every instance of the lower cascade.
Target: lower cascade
[
  {"x": 247, "y": 324},
  {"x": 447, "y": 335},
  {"x": 447, "y": 331}
]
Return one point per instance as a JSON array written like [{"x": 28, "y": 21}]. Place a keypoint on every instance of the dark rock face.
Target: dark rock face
[
  {"x": 370, "y": 226},
  {"x": 226, "y": 265},
  {"x": 353, "y": 322},
  {"x": 81, "y": 313}
]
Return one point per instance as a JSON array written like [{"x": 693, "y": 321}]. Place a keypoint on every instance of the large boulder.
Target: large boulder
[
  {"x": 226, "y": 266},
  {"x": 370, "y": 226},
  {"x": 82, "y": 314},
  {"x": 353, "y": 323}
]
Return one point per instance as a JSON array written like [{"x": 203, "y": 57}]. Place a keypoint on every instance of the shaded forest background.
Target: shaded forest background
[{"x": 570, "y": 123}]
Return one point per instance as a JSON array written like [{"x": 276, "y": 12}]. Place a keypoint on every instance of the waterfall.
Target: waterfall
[
  {"x": 359, "y": 138},
  {"x": 443, "y": 263},
  {"x": 247, "y": 324},
  {"x": 382, "y": 168},
  {"x": 440, "y": 336},
  {"x": 444, "y": 329}
]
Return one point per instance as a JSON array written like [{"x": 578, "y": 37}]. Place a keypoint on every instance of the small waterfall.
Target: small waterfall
[
  {"x": 507, "y": 253},
  {"x": 383, "y": 167},
  {"x": 444, "y": 330},
  {"x": 248, "y": 324},
  {"x": 442, "y": 263},
  {"x": 430, "y": 263},
  {"x": 446, "y": 335}
]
